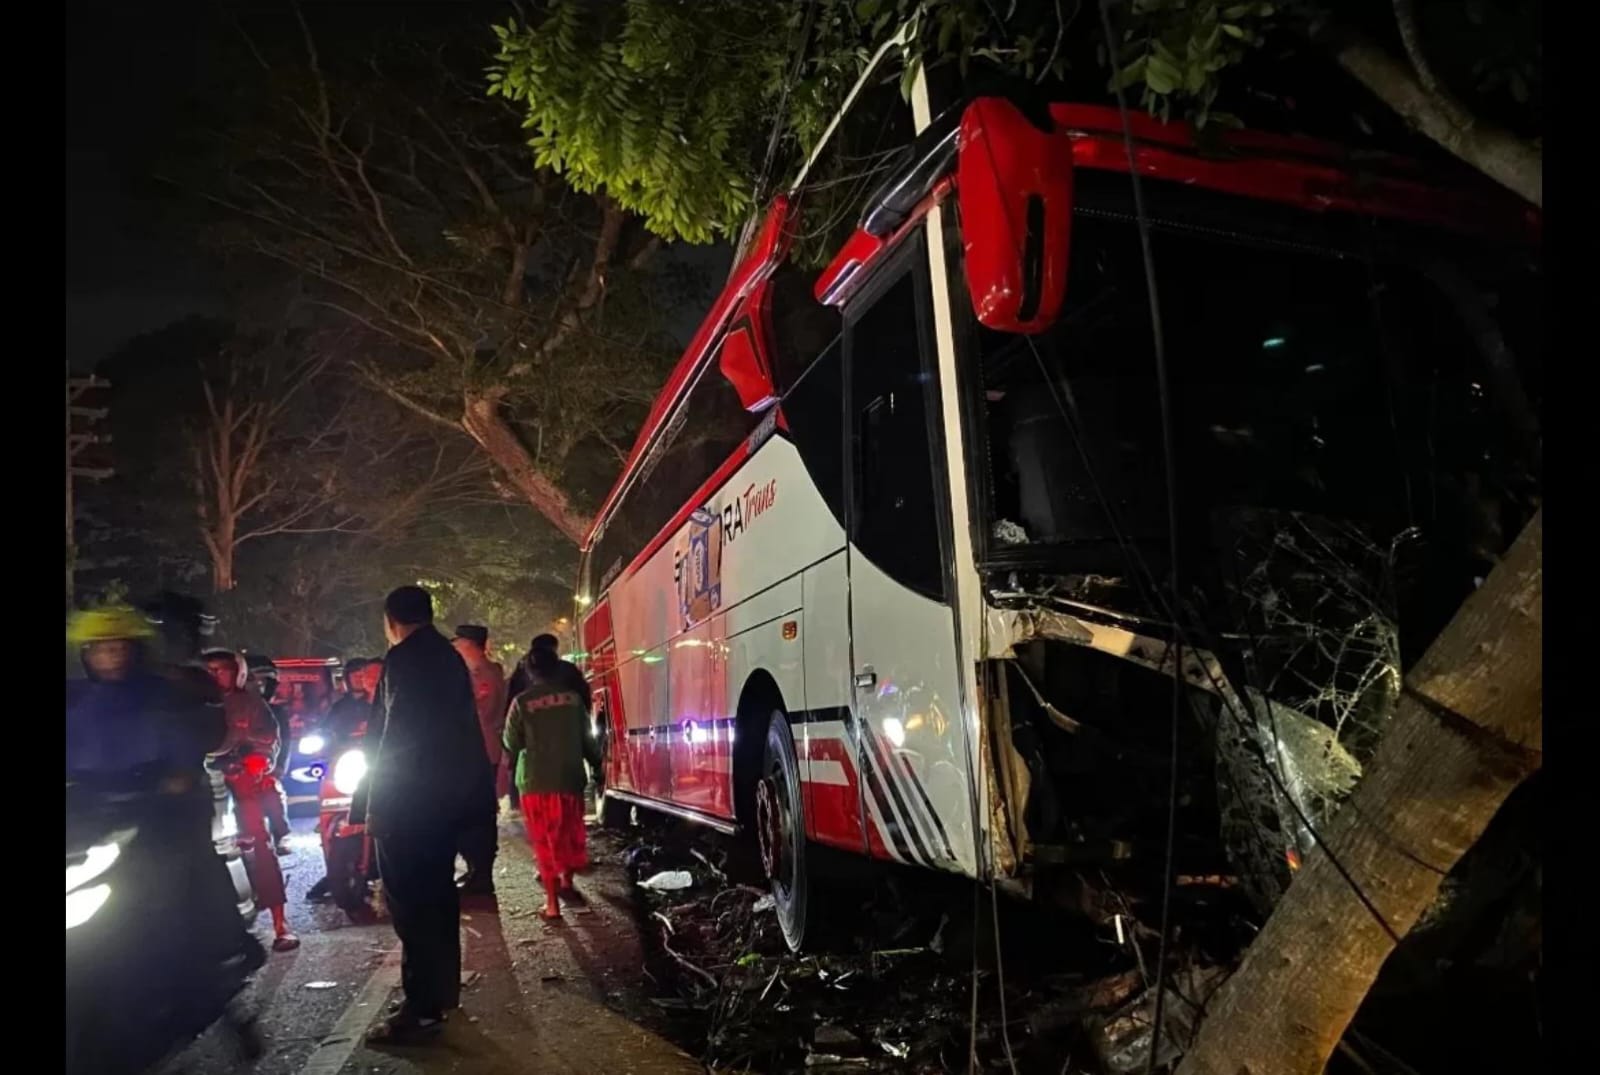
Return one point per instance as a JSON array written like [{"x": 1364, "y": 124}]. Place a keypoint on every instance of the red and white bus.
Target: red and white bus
[{"x": 883, "y": 572}]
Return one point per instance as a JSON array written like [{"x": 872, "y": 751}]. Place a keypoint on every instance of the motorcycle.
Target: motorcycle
[
  {"x": 250, "y": 782},
  {"x": 137, "y": 986},
  {"x": 225, "y": 837},
  {"x": 347, "y": 849}
]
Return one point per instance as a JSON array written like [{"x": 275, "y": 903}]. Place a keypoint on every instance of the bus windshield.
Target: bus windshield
[{"x": 1302, "y": 380}]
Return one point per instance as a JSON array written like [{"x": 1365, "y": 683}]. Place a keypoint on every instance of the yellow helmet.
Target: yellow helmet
[{"x": 108, "y": 623}]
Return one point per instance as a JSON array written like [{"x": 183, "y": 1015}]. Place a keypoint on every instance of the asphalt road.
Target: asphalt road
[{"x": 539, "y": 998}]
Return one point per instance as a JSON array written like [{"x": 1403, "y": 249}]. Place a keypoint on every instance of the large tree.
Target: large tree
[
  {"x": 1467, "y": 732},
  {"x": 496, "y": 302}
]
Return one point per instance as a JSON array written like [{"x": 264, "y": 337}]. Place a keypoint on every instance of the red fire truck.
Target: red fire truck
[{"x": 886, "y": 569}]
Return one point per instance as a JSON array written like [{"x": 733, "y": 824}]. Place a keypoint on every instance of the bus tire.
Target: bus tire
[{"x": 781, "y": 835}]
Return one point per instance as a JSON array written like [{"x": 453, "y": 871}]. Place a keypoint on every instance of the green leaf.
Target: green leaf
[
  {"x": 1130, "y": 75},
  {"x": 866, "y": 9},
  {"x": 1233, "y": 31},
  {"x": 1162, "y": 76}
]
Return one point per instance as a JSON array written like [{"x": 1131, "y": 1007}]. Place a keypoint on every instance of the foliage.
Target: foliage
[
  {"x": 1177, "y": 50},
  {"x": 667, "y": 106},
  {"x": 619, "y": 100}
]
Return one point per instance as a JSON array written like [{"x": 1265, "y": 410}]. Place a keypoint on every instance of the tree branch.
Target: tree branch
[
  {"x": 1405, "y": 17},
  {"x": 1497, "y": 153},
  {"x": 594, "y": 282},
  {"x": 368, "y": 376}
]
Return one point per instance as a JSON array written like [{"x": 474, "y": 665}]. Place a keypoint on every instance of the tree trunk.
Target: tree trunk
[
  {"x": 221, "y": 545},
  {"x": 482, "y": 420},
  {"x": 1468, "y": 730},
  {"x": 1502, "y": 156}
]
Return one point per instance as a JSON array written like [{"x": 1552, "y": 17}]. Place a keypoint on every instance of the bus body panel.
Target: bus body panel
[
  {"x": 907, "y": 721},
  {"x": 831, "y": 793},
  {"x": 702, "y": 614}
]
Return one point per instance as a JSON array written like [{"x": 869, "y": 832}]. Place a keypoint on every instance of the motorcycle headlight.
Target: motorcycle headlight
[
  {"x": 348, "y": 771},
  {"x": 96, "y": 861},
  {"x": 82, "y": 904},
  {"x": 312, "y": 744}
]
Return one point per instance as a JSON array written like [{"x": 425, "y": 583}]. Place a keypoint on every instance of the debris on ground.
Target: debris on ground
[
  {"x": 669, "y": 881},
  {"x": 320, "y": 985},
  {"x": 896, "y": 989},
  {"x": 1123, "y": 1039}
]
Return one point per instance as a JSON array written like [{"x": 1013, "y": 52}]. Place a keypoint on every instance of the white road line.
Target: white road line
[{"x": 330, "y": 1055}]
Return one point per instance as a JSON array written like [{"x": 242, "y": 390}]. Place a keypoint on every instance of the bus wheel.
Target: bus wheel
[{"x": 781, "y": 834}]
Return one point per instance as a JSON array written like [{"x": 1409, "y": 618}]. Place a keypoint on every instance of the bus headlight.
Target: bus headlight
[
  {"x": 348, "y": 771},
  {"x": 312, "y": 744}
]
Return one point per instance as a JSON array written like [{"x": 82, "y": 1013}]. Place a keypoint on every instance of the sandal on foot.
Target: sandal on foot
[{"x": 285, "y": 942}]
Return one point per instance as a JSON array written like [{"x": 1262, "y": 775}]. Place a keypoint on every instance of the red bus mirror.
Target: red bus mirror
[
  {"x": 745, "y": 368},
  {"x": 1014, "y": 190}
]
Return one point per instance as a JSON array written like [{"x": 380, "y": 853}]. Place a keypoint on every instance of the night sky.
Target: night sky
[
  {"x": 129, "y": 69},
  {"x": 131, "y": 92}
]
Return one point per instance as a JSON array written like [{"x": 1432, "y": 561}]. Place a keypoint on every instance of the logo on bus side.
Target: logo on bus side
[
  {"x": 697, "y": 552},
  {"x": 697, "y": 567},
  {"x": 746, "y": 508}
]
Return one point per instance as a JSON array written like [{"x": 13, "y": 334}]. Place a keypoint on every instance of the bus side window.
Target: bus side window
[
  {"x": 814, "y": 408},
  {"x": 896, "y": 511}
]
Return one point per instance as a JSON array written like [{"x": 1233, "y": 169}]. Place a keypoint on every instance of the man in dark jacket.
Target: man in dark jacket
[{"x": 430, "y": 780}]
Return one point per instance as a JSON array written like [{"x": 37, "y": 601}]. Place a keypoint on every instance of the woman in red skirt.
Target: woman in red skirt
[{"x": 547, "y": 733}]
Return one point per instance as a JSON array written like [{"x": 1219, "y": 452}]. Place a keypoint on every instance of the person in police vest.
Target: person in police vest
[{"x": 547, "y": 733}]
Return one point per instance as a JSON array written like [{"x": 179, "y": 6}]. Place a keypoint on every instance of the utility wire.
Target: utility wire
[{"x": 1169, "y": 459}]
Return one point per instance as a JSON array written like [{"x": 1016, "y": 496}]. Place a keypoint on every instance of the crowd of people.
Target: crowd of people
[{"x": 456, "y": 744}]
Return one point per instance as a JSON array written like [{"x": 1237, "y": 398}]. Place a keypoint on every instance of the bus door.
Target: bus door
[{"x": 905, "y": 721}]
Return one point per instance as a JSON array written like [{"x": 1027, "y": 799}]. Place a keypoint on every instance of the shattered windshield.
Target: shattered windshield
[
  {"x": 1355, "y": 441},
  {"x": 1304, "y": 380}
]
